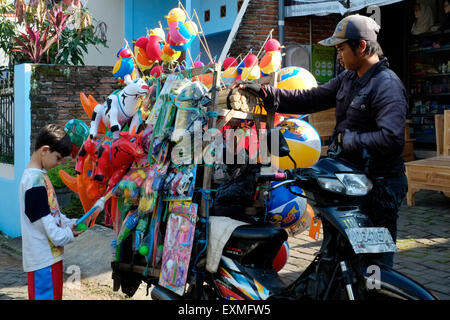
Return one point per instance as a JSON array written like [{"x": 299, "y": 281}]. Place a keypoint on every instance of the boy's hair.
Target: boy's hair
[
  {"x": 372, "y": 47},
  {"x": 56, "y": 138}
]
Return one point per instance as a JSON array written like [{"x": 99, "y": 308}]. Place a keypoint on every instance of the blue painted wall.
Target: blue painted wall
[
  {"x": 141, "y": 15},
  {"x": 9, "y": 189}
]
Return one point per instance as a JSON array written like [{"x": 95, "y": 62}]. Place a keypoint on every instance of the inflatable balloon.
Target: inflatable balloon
[
  {"x": 230, "y": 73},
  {"x": 229, "y": 62},
  {"x": 78, "y": 132},
  {"x": 271, "y": 60},
  {"x": 251, "y": 70},
  {"x": 296, "y": 78},
  {"x": 154, "y": 47},
  {"x": 304, "y": 144},
  {"x": 168, "y": 55},
  {"x": 303, "y": 223},
  {"x": 198, "y": 64},
  {"x": 181, "y": 33},
  {"x": 157, "y": 71},
  {"x": 140, "y": 54},
  {"x": 124, "y": 66},
  {"x": 282, "y": 257},
  {"x": 284, "y": 208}
]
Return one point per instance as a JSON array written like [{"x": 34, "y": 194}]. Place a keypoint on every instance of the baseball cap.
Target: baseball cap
[{"x": 354, "y": 27}]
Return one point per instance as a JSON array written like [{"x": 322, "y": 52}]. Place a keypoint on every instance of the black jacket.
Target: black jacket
[{"x": 370, "y": 110}]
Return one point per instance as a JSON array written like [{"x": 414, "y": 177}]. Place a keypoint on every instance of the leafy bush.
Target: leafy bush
[
  {"x": 52, "y": 34},
  {"x": 54, "y": 177}
]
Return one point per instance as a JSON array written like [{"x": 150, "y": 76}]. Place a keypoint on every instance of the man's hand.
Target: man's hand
[{"x": 253, "y": 88}]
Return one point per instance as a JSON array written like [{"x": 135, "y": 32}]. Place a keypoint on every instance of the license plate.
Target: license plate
[{"x": 371, "y": 240}]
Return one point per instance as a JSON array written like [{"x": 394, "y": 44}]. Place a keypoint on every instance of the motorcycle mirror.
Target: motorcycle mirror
[{"x": 282, "y": 150}]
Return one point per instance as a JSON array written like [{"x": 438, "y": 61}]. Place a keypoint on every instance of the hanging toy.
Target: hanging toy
[
  {"x": 119, "y": 108},
  {"x": 169, "y": 55},
  {"x": 78, "y": 132},
  {"x": 156, "y": 72},
  {"x": 251, "y": 69},
  {"x": 230, "y": 72},
  {"x": 140, "y": 54},
  {"x": 181, "y": 32},
  {"x": 271, "y": 61},
  {"x": 124, "y": 69},
  {"x": 155, "y": 45}
]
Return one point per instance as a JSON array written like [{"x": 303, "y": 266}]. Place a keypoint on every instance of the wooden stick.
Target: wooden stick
[
  {"x": 259, "y": 52},
  {"x": 201, "y": 29},
  {"x": 138, "y": 71}
]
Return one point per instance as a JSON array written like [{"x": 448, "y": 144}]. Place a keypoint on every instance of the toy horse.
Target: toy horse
[
  {"x": 112, "y": 159},
  {"x": 119, "y": 108}
]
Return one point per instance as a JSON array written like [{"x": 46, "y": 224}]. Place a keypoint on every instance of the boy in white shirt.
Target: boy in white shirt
[{"x": 45, "y": 230}]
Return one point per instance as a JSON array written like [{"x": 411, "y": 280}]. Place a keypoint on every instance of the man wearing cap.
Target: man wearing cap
[{"x": 371, "y": 107}]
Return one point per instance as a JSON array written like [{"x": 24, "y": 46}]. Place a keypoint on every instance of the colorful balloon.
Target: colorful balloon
[{"x": 304, "y": 144}]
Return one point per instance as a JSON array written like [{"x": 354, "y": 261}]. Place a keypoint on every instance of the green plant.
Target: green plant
[
  {"x": 73, "y": 46},
  {"x": 62, "y": 37},
  {"x": 8, "y": 29},
  {"x": 53, "y": 174},
  {"x": 34, "y": 43}
]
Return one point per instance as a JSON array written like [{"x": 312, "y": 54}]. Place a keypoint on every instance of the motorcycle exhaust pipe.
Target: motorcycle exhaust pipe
[{"x": 160, "y": 293}]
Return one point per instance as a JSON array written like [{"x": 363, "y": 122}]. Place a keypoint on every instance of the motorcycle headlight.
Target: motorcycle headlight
[
  {"x": 355, "y": 184},
  {"x": 347, "y": 183}
]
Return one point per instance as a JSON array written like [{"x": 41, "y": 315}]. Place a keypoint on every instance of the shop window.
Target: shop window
[
  {"x": 239, "y": 5},
  {"x": 223, "y": 11},
  {"x": 207, "y": 15}
]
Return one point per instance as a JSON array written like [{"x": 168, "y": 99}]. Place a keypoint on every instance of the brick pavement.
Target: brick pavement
[{"x": 423, "y": 245}]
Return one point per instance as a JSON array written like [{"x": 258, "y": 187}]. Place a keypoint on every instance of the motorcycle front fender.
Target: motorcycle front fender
[{"x": 391, "y": 284}]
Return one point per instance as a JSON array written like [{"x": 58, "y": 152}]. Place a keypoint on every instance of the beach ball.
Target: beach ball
[
  {"x": 284, "y": 208},
  {"x": 296, "y": 78},
  {"x": 281, "y": 258},
  {"x": 303, "y": 223},
  {"x": 77, "y": 131},
  {"x": 304, "y": 144}
]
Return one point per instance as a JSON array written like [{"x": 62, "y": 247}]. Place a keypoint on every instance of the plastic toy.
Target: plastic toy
[
  {"x": 155, "y": 45},
  {"x": 271, "y": 60},
  {"x": 141, "y": 55},
  {"x": 230, "y": 72},
  {"x": 296, "y": 78},
  {"x": 168, "y": 55},
  {"x": 284, "y": 209},
  {"x": 178, "y": 245},
  {"x": 112, "y": 159},
  {"x": 89, "y": 104},
  {"x": 129, "y": 223},
  {"x": 281, "y": 258},
  {"x": 78, "y": 132},
  {"x": 181, "y": 32},
  {"x": 124, "y": 69},
  {"x": 251, "y": 69},
  {"x": 304, "y": 144},
  {"x": 119, "y": 108}
]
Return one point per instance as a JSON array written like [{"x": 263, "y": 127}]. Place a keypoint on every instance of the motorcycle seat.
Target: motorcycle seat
[{"x": 266, "y": 232}]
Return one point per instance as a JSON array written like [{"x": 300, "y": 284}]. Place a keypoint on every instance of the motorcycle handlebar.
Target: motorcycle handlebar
[{"x": 278, "y": 176}]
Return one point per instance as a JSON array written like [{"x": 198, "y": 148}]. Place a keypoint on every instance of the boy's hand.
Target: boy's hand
[{"x": 76, "y": 232}]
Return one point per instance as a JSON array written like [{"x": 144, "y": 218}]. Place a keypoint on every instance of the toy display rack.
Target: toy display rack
[
  {"x": 218, "y": 116},
  {"x": 216, "y": 110}
]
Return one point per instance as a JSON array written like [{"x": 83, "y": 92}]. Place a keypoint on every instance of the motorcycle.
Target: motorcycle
[{"x": 345, "y": 267}]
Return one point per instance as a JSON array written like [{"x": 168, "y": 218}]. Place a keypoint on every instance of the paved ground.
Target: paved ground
[{"x": 423, "y": 242}]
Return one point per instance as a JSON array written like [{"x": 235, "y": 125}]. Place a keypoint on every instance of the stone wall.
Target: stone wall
[
  {"x": 55, "y": 93},
  {"x": 262, "y": 16}
]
